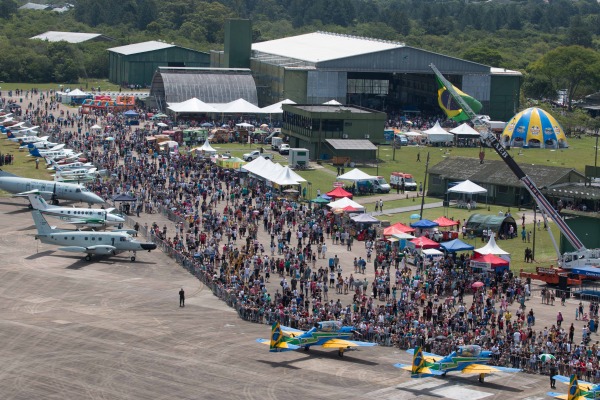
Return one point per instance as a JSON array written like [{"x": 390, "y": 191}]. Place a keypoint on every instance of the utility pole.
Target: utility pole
[{"x": 424, "y": 187}]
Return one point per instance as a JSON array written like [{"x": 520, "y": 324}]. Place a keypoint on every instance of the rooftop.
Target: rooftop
[
  {"x": 496, "y": 172},
  {"x": 323, "y": 46},
  {"x": 575, "y": 190},
  {"x": 70, "y": 37},
  {"x": 142, "y": 47},
  {"x": 351, "y": 144},
  {"x": 325, "y": 108}
]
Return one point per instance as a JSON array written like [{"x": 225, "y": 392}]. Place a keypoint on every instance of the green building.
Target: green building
[
  {"x": 316, "y": 128},
  {"x": 135, "y": 64},
  {"x": 390, "y": 76},
  {"x": 494, "y": 175}
]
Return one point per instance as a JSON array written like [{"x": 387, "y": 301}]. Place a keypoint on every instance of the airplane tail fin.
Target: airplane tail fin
[
  {"x": 37, "y": 201},
  {"x": 34, "y": 151},
  {"x": 418, "y": 361},
  {"x": 40, "y": 223},
  {"x": 574, "y": 391},
  {"x": 276, "y": 336}
]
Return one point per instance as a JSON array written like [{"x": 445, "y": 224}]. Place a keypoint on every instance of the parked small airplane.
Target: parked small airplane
[
  {"x": 40, "y": 144},
  {"x": 25, "y": 139},
  {"x": 327, "y": 334},
  {"x": 68, "y": 166},
  {"x": 80, "y": 217},
  {"x": 55, "y": 153},
  {"x": 578, "y": 390},
  {"x": 101, "y": 243},
  {"x": 48, "y": 189},
  {"x": 466, "y": 359}
]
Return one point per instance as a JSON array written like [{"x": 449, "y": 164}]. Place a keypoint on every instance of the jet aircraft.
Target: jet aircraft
[
  {"x": 80, "y": 217},
  {"x": 578, "y": 390},
  {"x": 89, "y": 242},
  {"x": 466, "y": 359},
  {"x": 49, "y": 190},
  {"x": 327, "y": 334}
]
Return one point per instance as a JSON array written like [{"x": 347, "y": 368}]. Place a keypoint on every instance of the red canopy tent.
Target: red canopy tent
[
  {"x": 425, "y": 243},
  {"x": 488, "y": 262},
  {"x": 397, "y": 228},
  {"x": 338, "y": 193},
  {"x": 444, "y": 222}
]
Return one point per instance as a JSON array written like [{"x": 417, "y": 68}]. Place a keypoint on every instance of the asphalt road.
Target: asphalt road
[{"x": 112, "y": 329}]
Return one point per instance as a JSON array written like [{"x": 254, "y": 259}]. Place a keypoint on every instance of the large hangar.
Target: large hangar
[{"x": 383, "y": 75}]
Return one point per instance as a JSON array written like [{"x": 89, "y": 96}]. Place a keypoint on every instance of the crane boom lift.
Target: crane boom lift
[{"x": 582, "y": 257}]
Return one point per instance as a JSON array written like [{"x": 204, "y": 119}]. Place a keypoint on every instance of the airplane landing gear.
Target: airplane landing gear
[
  {"x": 88, "y": 258},
  {"x": 133, "y": 257},
  {"x": 481, "y": 378}
]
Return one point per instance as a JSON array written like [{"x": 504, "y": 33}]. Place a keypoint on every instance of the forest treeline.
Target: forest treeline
[{"x": 514, "y": 34}]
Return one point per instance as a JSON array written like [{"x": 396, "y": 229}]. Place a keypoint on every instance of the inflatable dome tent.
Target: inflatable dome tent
[{"x": 534, "y": 128}]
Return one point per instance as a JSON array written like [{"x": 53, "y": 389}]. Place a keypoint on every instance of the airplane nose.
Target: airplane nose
[
  {"x": 94, "y": 198},
  {"x": 148, "y": 246}
]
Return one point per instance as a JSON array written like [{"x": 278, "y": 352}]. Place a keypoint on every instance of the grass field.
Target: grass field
[{"x": 85, "y": 84}]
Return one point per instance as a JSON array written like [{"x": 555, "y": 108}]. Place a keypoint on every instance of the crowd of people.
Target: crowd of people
[{"x": 276, "y": 259}]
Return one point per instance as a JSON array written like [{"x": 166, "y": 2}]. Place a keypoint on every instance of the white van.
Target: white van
[{"x": 396, "y": 181}]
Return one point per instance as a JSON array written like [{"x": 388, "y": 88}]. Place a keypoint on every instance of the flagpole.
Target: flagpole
[{"x": 424, "y": 188}]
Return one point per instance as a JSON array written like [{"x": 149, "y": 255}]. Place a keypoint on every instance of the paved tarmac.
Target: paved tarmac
[{"x": 112, "y": 329}]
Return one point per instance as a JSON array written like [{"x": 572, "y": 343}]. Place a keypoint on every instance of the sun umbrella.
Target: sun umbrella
[
  {"x": 162, "y": 125},
  {"x": 290, "y": 191},
  {"x": 546, "y": 357},
  {"x": 110, "y": 138},
  {"x": 415, "y": 216},
  {"x": 477, "y": 284}
]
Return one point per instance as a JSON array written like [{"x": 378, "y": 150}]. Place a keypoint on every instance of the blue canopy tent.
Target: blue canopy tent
[
  {"x": 456, "y": 245},
  {"x": 424, "y": 224},
  {"x": 130, "y": 114}
]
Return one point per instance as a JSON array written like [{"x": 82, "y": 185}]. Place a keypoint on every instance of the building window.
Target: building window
[{"x": 502, "y": 189}]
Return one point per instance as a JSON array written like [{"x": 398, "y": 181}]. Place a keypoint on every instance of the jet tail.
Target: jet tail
[
  {"x": 276, "y": 336},
  {"x": 574, "y": 391},
  {"x": 41, "y": 224},
  {"x": 37, "y": 201}
]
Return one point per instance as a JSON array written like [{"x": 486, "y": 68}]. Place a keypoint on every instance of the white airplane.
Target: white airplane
[
  {"x": 80, "y": 175},
  {"x": 70, "y": 166},
  {"x": 22, "y": 129},
  {"x": 40, "y": 144},
  {"x": 55, "y": 153},
  {"x": 48, "y": 189},
  {"x": 80, "y": 217},
  {"x": 101, "y": 243},
  {"x": 26, "y": 139}
]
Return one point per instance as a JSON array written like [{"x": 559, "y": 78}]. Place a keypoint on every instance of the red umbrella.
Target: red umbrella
[{"x": 477, "y": 285}]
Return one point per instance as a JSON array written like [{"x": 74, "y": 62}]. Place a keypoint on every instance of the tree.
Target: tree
[
  {"x": 579, "y": 33},
  {"x": 574, "y": 68},
  {"x": 484, "y": 55}
]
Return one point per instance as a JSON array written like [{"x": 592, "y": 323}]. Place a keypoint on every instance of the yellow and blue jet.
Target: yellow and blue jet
[
  {"x": 578, "y": 390},
  {"x": 327, "y": 334},
  {"x": 469, "y": 359}
]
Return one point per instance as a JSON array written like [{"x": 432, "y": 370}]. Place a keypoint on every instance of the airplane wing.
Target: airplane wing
[
  {"x": 283, "y": 346},
  {"x": 58, "y": 147},
  {"x": 429, "y": 357},
  {"x": 291, "y": 332},
  {"x": 486, "y": 369},
  {"x": 344, "y": 343},
  {"x": 34, "y": 191},
  {"x": 587, "y": 386},
  {"x": 100, "y": 249},
  {"x": 424, "y": 371}
]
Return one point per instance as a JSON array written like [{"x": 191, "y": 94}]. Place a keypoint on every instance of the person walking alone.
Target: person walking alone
[{"x": 181, "y": 298}]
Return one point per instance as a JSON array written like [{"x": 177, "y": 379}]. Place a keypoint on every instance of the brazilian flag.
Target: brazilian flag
[{"x": 451, "y": 107}]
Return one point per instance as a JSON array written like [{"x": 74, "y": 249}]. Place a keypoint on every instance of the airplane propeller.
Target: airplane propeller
[{"x": 54, "y": 198}]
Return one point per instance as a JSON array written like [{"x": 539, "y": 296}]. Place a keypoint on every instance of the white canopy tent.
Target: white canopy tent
[
  {"x": 245, "y": 125},
  {"x": 355, "y": 175},
  {"x": 206, "y": 148},
  {"x": 277, "y": 107},
  {"x": 365, "y": 219},
  {"x": 288, "y": 177},
  {"x": 96, "y": 127},
  {"x": 437, "y": 134},
  {"x": 412, "y": 134},
  {"x": 465, "y": 131},
  {"x": 77, "y": 93},
  {"x": 467, "y": 187},
  {"x": 345, "y": 202},
  {"x": 240, "y": 106},
  {"x": 192, "y": 105},
  {"x": 257, "y": 165},
  {"x": 491, "y": 248},
  {"x": 332, "y": 102}
]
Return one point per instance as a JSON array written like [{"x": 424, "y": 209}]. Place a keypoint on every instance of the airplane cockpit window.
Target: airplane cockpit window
[
  {"x": 469, "y": 351},
  {"x": 330, "y": 326},
  {"x": 77, "y": 190}
]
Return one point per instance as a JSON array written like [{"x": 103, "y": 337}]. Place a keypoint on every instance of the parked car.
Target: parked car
[
  {"x": 253, "y": 155},
  {"x": 284, "y": 149}
]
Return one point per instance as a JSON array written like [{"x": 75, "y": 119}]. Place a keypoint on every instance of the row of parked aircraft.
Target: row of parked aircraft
[
  {"x": 469, "y": 359},
  {"x": 69, "y": 170}
]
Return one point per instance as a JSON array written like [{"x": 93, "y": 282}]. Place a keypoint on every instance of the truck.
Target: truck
[
  {"x": 582, "y": 261},
  {"x": 275, "y": 143},
  {"x": 284, "y": 149},
  {"x": 253, "y": 155},
  {"x": 409, "y": 181}
]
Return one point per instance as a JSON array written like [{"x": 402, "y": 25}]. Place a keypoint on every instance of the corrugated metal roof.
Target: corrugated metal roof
[
  {"x": 141, "y": 47},
  {"x": 332, "y": 108},
  {"x": 504, "y": 71},
  {"x": 34, "y": 6},
  {"x": 71, "y": 37},
  {"x": 351, "y": 144},
  {"x": 323, "y": 46},
  {"x": 219, "y": 85},
  {"x": 496, "y": 172}
]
